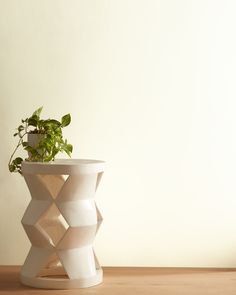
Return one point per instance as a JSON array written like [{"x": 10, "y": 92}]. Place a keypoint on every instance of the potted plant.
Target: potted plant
[
  {"x": 42, "y": 139},
  {"x": 62, "y": 218}
]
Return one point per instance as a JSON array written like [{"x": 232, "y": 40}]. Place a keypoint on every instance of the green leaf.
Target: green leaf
[
  {"x": 65, "y": 120},
  {"x": 18, "y": 160},
  {"x": 32, "y": 122},
  {"x": 49, "y": 136},
  {"x": 37, "y": 112},
  {"x": 15, "y": 134},
  {"x": 69, "y": 147},
  {"x": 11, "y": 167},
  {"x": 20, "y": 128},
  {"x": 54, "y": 122},
  {"x": 33, "y": 151}
]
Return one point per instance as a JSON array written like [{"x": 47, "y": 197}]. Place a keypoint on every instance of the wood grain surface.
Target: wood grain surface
[{"x": 137, "y": 281}]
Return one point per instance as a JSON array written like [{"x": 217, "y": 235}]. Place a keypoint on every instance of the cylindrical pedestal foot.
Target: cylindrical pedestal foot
[{"x": 62, "y": 283}]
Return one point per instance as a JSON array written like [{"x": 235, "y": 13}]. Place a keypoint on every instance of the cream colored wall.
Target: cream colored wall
[{"x": 150, "y": 85}]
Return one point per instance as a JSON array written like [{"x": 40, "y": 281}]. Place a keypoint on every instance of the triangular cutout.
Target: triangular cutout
[
  {"x": 34, "y": 210},
  {"x": 37, "y": 236},
  {"x": 53, "y": 225},
  {"x": 99, "y": 177},
  {"x": 53, "y": 183},
  {"x": 35, "y": 261},
  {"x": 99, "y": 218},
  {"x": 97, "y": 264},
  {"x": 64, "y": 176},
  {"x": 53, "y": 268},
  {"x": 37, "y": 187}
]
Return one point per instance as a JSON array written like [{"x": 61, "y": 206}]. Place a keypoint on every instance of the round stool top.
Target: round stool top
[{"x": 63, "y": 166}]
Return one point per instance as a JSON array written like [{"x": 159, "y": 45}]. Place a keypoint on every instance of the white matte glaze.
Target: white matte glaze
[{"x": 61, "y": 222}]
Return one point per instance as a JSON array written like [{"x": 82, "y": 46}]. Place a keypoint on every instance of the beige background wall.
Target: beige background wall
[{"x": 150, "y": 85}]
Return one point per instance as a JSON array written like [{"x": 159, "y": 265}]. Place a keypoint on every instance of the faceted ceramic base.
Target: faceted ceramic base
[{"x": 61, "y": 222}]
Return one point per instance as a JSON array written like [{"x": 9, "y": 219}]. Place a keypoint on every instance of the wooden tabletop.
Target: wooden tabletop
[{"x": 137, "y": 281}]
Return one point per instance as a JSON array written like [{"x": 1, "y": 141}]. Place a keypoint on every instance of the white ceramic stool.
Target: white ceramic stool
[{"x": 61, "y": 222}]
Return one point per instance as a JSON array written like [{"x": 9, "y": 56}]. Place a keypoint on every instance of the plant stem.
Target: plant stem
[{"x": 18, "y": 145}]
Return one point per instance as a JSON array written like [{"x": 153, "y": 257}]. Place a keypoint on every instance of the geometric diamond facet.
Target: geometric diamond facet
[{"x": 53, "y": 225}]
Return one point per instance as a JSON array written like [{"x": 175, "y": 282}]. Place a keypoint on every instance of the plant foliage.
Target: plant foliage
[{"x": 50, "y": 142}]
